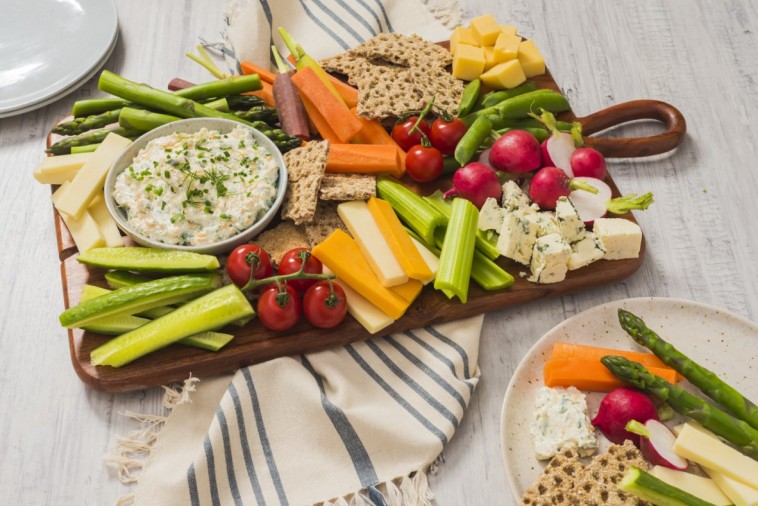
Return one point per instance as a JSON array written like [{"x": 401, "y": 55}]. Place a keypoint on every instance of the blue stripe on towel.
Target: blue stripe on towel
[
  {"x": 353, "y": 444},
  {"x": 192, "y": 484},
  {"x": 359, "y": 18},
  {"x": 442, "y": 358},
  {"x": 338, "y": 19},
  {"x": 267, "y": 12},
  {"x": 397, "y": 397},
  {"x": 211, "y": 470},
  {"x": 457, "y": 347},
  {"x": 384, "y": 13},
  {"x": 265, "y": 445},
  {"x": 427, "y": 370},
  {"x": 228, "y": 456},
  {"x": 321, "y": 24},
  {"x": 373, "y": 15},
  {"x": 421, "y": 391},
  {"x": 245, "y": 447}
]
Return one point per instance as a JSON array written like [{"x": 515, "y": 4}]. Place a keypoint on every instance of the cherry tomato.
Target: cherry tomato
[
  {"x": 403, "y": 138},
  {"x": 279, "y": 310},
  {"x": 423, "y": 164},
  {"x": 291, "y": 262},
  {"x": 322, "y": 307},
  {"x": 238, "y": 264},
  {"x": 444, "y": 135}
]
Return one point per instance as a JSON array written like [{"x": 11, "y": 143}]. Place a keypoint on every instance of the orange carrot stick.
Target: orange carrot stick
[
  {"x": 319, "y": 122},
  {"x": 363, "y": 159},
  {"x": 590, "y": 375},
  {"x": 251, "y": 68},
  {"x": 586, "y": 352},
  {"x": 266, "y": 93},
  {"x": 340, "y": 119},
  {"x": 347, "y": 92}
]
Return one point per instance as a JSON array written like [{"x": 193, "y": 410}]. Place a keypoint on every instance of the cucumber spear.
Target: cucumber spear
[
  {"x": 707, "y": 381},
  {"x": 737, "y": 432},
  {"x": 649, "y": 488}
]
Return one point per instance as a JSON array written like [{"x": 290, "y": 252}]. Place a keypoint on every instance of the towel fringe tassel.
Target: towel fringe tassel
[
  {"x": 413, "y": 490},
  {"x": 447, "y": 12}
]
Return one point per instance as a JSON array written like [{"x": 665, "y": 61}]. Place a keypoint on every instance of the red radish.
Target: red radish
[
  {"x": 617, "y": 408},
  {"x": 475, "y": 182},
  {"x": 515, "y": 151},
  {"x": 592, "y": 206},
  {"x": 550, "y": 183},
  {"x": 557, "y": 151},
  {"x": 484, "y": 157},
  {"x": 588, "y": 162},
  {"x": 657, "y": 444}
]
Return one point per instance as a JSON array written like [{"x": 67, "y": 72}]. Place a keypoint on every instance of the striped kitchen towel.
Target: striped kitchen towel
[{"x": 353, "y": 425}]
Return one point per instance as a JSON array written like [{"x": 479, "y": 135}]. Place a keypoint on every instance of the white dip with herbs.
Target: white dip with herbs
[{"x": 197, "y": 188}]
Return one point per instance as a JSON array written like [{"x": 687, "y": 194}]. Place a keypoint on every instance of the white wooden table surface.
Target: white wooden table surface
[{"x": 702, "y": 231}]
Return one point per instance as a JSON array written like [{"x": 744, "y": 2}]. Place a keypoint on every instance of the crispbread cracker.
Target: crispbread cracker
[
  {"x": 305, "y": 169},
  {"x": 282, "y": 238},
  {"x": 386, "y": 90},
  {"x": 406, "y": 50},
  {"x": 598, "y": 484},
  {"x": 347, "y": 187},
  {"x": 347, "y": 63},
  {"x": 557, "y": 480},
  {"x": 324, "y": 223}
]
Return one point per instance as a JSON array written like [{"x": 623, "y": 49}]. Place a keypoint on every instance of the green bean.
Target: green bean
[
  {"x": 472, "y": 139},
  {"x": 495, "y": 97},
  {"x": 469, "y": 97},
  {"x": 522, "y": 105}
]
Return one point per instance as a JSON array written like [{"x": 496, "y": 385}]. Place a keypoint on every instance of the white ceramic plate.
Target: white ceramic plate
[
  {"x": 51, "y": 47},
  {"x": 719, "y": 340}
]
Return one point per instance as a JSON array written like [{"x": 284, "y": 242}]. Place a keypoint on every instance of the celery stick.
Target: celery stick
[
  {"x": 411, "y": 208},
  {"x": 483, "y": 242},
  {"x": 116, "y": 325},
  {"x": 210, "y": 311},
  {"x": 457, "y": 251}
]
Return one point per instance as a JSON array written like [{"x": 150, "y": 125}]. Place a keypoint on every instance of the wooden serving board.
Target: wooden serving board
[{"x": 254, "y": 343}]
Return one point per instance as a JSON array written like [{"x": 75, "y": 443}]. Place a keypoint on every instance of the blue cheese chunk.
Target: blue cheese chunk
[
  {"x": 490, "y": 215},
  {"x": 518, "y": 235},
  {"x": 572, "y": 226},
  {"x": 549, "y": 259},
  {"x": 560, "y": 420},
  {"x": 514, "y": 197},
  {"x": 548, "y": 224},
  {"x": 585, "y": 252},
  {"x": 619, "y": 238}
]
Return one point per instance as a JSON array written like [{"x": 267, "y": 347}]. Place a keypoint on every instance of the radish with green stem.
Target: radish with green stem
[
  {"x": 475, "y": 182},
  {"x": 592, "y": 206},
  {"x": 559, "y": 147},
  {"x": 657, "y": 444},
  {"x": 515, "y": 151},
  {"x": 551, "y": 183}
]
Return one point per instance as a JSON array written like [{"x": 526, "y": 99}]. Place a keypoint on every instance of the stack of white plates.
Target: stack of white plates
[{"x": 48, "y": 48}]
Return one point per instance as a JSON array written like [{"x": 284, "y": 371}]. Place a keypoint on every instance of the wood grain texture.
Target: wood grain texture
[{"x": 701, "y": 233}]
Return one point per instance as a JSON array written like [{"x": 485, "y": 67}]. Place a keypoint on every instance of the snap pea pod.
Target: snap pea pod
[
  {"x": 495, "y": 97},
  {"x": 539, "y": 133},
  {"x": 494, "y": 109},
  {"x": 469, "y": 97},
  {"x": 449, "y": 165},
  {"x": 498, "y": 123},
  {"x": 520, "y": 106},
  {"x": 472, "y": 139}
]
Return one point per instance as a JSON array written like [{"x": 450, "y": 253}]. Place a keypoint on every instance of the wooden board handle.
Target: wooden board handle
[{"x": 676, "y": 127}]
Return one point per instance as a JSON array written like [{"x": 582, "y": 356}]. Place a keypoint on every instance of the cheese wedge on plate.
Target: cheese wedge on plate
[
  {"x": 84, "y": 229},
  {"x": 61, "y": 168}
]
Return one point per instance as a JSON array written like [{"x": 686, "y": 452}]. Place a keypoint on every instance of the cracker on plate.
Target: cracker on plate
[{"x": 305, "y": 169}]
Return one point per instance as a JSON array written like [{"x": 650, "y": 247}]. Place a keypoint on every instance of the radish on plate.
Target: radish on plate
[
  {"x": 515, "y": 151},
  {"x": 617, "y": 408},
  {"x": 657, "y": 444},
  {"x": 592, "y": 206},
  {"x": 551, "y": 183},
  {"x": 475, "y": 182}
]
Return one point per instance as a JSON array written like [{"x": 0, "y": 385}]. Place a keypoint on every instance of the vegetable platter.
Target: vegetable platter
[{"x": 253, "y": 343}]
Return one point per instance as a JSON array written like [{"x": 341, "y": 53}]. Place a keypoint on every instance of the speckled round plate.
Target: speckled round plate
[{"x": 721, "y": 341}]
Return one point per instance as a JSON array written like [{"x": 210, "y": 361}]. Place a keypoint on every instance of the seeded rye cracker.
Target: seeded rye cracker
[
  {"x": 347, "y": 187},
  {"x": 305, "y": 169},
  {"x": 282, "y": 238},
  {"x": 324, "y": 223}
]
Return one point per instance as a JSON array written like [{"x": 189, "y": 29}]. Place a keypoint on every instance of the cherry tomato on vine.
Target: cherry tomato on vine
[
  {"x": 239, "y": 262},
  {"x": 279, "y": 307},
  {"x": 291, "y": 262},
  {"x": 405, "y": 140},
  {"x": 423, "y": 164},
  {"x": 323, "y": 307},
  {"x": 444, "y": 135}
]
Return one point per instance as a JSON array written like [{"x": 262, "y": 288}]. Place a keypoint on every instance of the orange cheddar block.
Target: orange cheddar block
[
  {"x": 340, "y": 253},
  {"x": 590, "y": 375},
  {"x": 399, "y": 241},
  {"x": 409, "y": 290}
]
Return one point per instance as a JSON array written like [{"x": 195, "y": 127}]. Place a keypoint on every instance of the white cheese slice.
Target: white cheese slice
[
  {"x": 84, "y": 230},
  {"x": 430, "y": 259},
  {"x": 517, "y": 236},
  {"x": 61, "y": 168},
  {"x": 619, "y": 238},
  {"x": 699, "y": 486},
  {"x": 711, "y": 453},
  {"x": 490, "y": 215},
  {"x": 549, "y": 259},
  {"x": 358, "y": 220},
  {"x": 105, "y": 222},
  {"x": 371, "y": 317},
  {"x": 585, "y": 252},
  {"x": 572, "y": 226},
  {"x": 90, "y": 178}
]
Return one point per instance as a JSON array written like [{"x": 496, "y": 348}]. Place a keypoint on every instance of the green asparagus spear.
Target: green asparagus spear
[
  {"x": 708, "y": 382},
  {"x": 82, "y": 124},
  {"x": 63, "y": 147},
  {"x": 243, "y": 102},
  {"x": 737, "y": 432},
  {"x": 264, "y": 113},
  {"x": 90, "y": 106}
]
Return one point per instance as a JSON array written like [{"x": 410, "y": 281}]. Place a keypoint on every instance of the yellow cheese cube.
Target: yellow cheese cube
[
  {"x": 461, "y": 35},
  {"x": 504, "y": 75},
  {"x": 508, "y": 29},
  {"x": 530, "y": 58},
  {"x": 506, "y": 47},
  {"x": 485, "y": 30},
  {"x": 468, "y": 62},
  {"x": 489, "y": 57}
]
